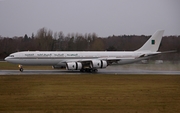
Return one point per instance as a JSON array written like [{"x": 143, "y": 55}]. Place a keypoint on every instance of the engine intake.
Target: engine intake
[
  {"x": 98, "y": 64},
  {"x": 73, "y": 65}
]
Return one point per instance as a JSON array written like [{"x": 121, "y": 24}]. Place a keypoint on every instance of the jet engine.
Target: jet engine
[
  {"x": 98, "y": 64},
  {"x": 74, "y": 66},
  {"x": 58, "y": 67}
]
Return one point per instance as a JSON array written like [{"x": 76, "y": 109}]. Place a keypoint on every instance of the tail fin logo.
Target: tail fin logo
[{"x": 152, "y": 42}]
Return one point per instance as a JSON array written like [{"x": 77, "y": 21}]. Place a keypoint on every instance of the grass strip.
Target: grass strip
[{"x": 90, "y": 93}]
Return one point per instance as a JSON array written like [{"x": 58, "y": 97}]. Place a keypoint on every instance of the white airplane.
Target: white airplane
[{"x": 88, "y": 61}]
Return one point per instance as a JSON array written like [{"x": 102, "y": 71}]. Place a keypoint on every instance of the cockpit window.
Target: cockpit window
[{"x": 11, "y": 55}]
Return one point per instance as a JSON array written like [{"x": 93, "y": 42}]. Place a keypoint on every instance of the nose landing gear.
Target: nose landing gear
[{"x": 20, "y": 68}]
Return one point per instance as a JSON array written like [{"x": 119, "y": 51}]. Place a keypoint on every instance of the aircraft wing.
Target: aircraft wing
[
  {"x": 106, "y": 59},
  {"x": 109, "y": 60}
]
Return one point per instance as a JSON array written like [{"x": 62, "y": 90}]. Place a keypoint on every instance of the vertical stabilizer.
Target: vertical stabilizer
[{"x": 153, "y": 43}]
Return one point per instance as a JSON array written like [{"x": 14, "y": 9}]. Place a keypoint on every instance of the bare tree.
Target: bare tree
[{"x": 45, "y": 39}]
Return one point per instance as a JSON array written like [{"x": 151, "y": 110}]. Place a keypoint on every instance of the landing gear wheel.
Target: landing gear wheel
[
  {"x": 94, "y": 70},
  {"x": 88, "y": 70},
  {"x": 21, "y": 69},
  {"x": 82, "y": 70},
  {"x": 91, "y": 70}
]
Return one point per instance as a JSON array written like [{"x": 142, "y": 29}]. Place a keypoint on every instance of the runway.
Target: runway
[{"x": 101, "y": 71}]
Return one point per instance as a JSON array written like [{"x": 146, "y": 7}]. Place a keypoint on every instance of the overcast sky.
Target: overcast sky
[{"x": 103, "y": 17}]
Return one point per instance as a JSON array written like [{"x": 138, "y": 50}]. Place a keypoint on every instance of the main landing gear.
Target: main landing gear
[
  {"x": 20, "y": 68},
  {"x": 89, "y": 70}
]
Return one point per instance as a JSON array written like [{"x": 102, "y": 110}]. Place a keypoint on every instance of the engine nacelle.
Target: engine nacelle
[
  {"x": 58, "y": 67},
  {"x": 98, "y": 64},
  {"x": 73, "y": 65}
]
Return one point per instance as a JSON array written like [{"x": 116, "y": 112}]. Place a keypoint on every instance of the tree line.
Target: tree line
[{"x": 46, "y": 40}]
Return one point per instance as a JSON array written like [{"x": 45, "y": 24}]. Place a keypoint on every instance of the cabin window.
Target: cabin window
[{"x": 11, "y": 55}]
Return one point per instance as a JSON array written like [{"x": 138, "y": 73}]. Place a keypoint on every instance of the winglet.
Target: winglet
[{"x": 153, "y": 43}]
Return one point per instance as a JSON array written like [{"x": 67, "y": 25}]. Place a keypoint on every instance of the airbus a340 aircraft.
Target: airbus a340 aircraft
[{"x": 87, "y": 61}]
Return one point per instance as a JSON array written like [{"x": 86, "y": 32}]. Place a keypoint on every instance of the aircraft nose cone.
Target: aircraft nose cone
[{"x": 6, "y": 59}]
